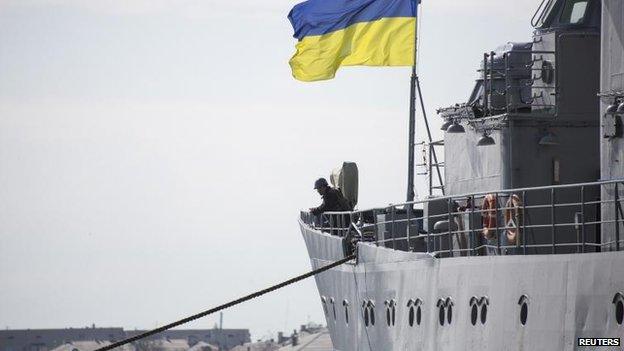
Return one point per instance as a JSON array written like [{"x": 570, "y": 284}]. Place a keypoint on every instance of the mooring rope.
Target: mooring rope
[{"x": 226, "y": 305}]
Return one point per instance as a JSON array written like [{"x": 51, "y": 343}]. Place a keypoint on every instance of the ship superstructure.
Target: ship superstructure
[{"x": 523, "y": 250}]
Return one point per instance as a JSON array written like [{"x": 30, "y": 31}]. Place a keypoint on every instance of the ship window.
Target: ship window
[
  {"x": 619, "y": 312},
  {"x": 449, "y": 314},
  {"x": 574, "y": 11},
  {"x": 484, "y": 313},
  {"x": 345, "y": 303},
  {"x": 418, "y": 315},
  {"x": 524, "y": 312},
  {"x": 372, "y": 315},
  {"x": 441, "y": 314},
  {"x": 473, "y": 314},
  {"x": 410, "y": 316},
  {"x": 524, "y": 309},
  {"x": 618, "y": 300}
]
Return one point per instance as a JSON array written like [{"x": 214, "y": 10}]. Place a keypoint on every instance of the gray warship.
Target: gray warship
[{"x": 520, "y": 247}]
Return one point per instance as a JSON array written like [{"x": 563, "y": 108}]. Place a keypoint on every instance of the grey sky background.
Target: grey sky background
[{"x": 154, "y": 154}]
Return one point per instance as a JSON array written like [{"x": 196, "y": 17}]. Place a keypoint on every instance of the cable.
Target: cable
[{"x": 226, "y": 305}]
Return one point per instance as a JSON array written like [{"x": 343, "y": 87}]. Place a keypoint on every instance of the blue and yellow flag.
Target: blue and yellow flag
[{"x": 334, "y": 33}]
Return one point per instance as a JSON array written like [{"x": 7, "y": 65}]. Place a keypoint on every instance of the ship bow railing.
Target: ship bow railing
[{"x": 558, "y": 219}]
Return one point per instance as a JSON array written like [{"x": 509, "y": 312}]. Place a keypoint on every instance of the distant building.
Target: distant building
[
  {"x": 89, "y": 346},
  {"x": 258, "y": 346},
  {"x": 172, "y": 340},
  {"x": 224, "y": 338},
  {"x": 48, "y": 339}
]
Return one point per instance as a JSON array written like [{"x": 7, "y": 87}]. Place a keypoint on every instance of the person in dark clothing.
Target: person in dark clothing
[{"x": 333, "y": 201}]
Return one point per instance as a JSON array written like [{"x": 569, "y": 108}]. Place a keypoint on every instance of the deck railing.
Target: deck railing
[{"x": 539, "y": 220}]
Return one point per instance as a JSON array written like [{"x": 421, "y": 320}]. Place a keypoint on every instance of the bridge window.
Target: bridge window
[{"x": 574, "y": 11}]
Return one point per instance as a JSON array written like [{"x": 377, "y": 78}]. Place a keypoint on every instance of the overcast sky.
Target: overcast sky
[{"x": 154, "y": 154}]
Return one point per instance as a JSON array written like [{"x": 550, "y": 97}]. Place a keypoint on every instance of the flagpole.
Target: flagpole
[
  {"x": 412, "y": 118},
  {"x": 415, "y": 85}
]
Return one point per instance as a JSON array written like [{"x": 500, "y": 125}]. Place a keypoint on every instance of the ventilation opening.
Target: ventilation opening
[
  {"x": 449, "y": 314},
  {"x": 366, "y": 320},
  {"x": 346, "y": 311},
  {"x": 619, "y": 312},
  {"x": 388, "y": 316},
  {"x": 410, "y": 316}
]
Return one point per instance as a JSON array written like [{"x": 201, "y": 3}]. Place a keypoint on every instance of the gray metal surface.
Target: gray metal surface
[{"x": 569, "y": 296}]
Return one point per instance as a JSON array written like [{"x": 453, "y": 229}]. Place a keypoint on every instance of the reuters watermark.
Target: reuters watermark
[{"x": 597, "y": 342}]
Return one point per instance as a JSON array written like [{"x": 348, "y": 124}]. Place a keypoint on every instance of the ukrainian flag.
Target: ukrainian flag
[{"x": 334, "y": 33}]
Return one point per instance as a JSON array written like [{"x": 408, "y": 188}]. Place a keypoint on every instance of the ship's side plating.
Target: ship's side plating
[{"x": 558, "y": 293}]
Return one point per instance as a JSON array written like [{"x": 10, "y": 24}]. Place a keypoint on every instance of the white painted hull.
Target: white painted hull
[{"x": 570, "y": 296}]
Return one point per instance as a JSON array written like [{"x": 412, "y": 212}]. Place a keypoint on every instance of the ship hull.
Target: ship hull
[{"x": 564, "y": 297}]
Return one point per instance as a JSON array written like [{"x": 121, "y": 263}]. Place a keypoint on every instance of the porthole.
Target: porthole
[
  {"x": 445, "y": 314},
  {"x": 369, "y": 312},
  {"x": 474, "y": 314},
  {"x": 390, "y": 312},
  {"x": 524, "y": 309},
  {"x": 418, "y": 315},
  {"x": 618, "y": 302},
  {"x": 441, "y": 315},
  {"x": 414, "y": 312},
  {"x": 484, "y": 310}
]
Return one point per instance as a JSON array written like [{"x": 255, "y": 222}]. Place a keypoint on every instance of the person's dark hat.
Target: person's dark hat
[{"x": 320, "y": 183}]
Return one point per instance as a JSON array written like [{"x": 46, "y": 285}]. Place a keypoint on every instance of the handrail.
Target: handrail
[
  {"x": 562, "y": 216},
  {"x": 483, "y": 193}
]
